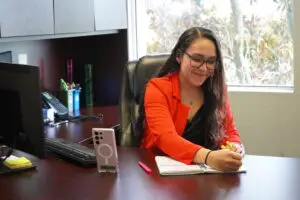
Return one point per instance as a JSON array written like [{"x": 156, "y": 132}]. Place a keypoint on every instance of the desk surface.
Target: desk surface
[
  {"x": 77, "y": 131},
  {"x": 266, "y": 178}
]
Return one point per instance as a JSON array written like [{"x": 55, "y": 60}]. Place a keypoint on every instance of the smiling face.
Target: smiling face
[{"x": 198, "y": 62}]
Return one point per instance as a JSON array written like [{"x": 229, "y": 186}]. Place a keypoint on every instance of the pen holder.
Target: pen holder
[
  {"x": 66, "y": 98},
  {"x": 76, "y": 100}
]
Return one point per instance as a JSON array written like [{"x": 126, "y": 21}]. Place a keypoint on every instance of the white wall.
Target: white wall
[{"x": 269, "y": 122}]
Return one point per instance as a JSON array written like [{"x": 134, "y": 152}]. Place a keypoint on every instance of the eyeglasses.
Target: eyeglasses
[{"x": 198, "y": 62}]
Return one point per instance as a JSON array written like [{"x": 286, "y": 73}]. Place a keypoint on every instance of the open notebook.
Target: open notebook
[{"x": 169, "y": 166}]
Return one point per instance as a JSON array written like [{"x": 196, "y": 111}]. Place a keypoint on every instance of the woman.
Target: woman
[{"x": 186, "y": 113}]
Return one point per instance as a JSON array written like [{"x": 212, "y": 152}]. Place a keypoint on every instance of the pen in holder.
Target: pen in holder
[{"x": 69, "y": 95}]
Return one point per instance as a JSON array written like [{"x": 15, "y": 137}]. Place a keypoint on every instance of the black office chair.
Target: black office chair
[{"x": 135, "y": 76}]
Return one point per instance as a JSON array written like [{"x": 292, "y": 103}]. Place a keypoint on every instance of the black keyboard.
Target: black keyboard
[{"x": 71, "y": 150}]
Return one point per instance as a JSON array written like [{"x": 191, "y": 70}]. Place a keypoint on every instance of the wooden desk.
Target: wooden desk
[
  {"x": 267, "y": 178},
  {"x": 77, "y": 131}
]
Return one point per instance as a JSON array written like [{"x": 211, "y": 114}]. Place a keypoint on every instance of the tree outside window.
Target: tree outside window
[{"x": 255, "y": 35}]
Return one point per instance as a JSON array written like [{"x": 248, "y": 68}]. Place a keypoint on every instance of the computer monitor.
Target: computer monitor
[
  {"x": 6, "y": 56},
  {"x": 21, "y": 121}
]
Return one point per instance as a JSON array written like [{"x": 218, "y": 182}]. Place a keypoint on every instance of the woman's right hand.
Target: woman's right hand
[{"x": 224, "y": 160}]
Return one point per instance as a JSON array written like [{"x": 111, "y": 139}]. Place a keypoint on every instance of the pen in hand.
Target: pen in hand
[
  {"x": 228, "y": 146},
  {"x": 234, "y": 148}
]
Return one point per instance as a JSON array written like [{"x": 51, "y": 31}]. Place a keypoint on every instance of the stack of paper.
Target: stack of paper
[{"x": 169, "y": 166}]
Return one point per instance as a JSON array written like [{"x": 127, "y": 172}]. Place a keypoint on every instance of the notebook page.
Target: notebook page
[
  {"x": 169, "y": 166},
  {"x": 209, "y": 170}
]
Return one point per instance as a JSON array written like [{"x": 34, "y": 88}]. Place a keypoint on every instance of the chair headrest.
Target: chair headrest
[{"x": 146, "y": 68}]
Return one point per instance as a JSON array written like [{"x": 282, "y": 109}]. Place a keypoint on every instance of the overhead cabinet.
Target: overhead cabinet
[
  {"x": 74, "y": 16},
  {"x": 110, "y": 14},
  {"x": 54, "y": 17},
  {"x": 26, "y": 17}
]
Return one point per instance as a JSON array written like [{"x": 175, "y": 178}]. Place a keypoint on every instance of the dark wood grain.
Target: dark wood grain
[
  {"x": 78, "y": 131},
  {"x": 266, "y": 178},
  {"x": 108, "y": 54}
]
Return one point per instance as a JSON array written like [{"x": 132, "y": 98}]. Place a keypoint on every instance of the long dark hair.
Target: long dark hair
[{"x": 213, "y": 87}]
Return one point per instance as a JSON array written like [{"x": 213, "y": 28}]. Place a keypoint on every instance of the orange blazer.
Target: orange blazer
[{"x": 166, "y": 117}]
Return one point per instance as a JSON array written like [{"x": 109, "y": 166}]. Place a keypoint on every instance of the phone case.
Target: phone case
[{"x": 105, "y": 149}]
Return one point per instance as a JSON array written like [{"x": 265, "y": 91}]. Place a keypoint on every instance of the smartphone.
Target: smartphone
[{"x": 105, "y": 150}]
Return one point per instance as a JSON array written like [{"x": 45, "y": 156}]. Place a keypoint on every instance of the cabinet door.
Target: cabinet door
[
  {"x": 26, "y": 17},
  {"x": 110, "y": 14},
  {"x": 74, "y": 16}
]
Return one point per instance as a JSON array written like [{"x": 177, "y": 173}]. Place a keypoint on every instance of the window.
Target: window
[{"x": 255, "y": 35}]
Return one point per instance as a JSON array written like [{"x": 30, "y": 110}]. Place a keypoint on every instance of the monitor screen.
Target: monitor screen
[
  {"x": 6, "y": 57},
  {"x": 21, "y": 119}
]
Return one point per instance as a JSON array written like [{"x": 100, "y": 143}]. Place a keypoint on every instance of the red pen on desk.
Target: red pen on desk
[{"x": 147, "y": 169}]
